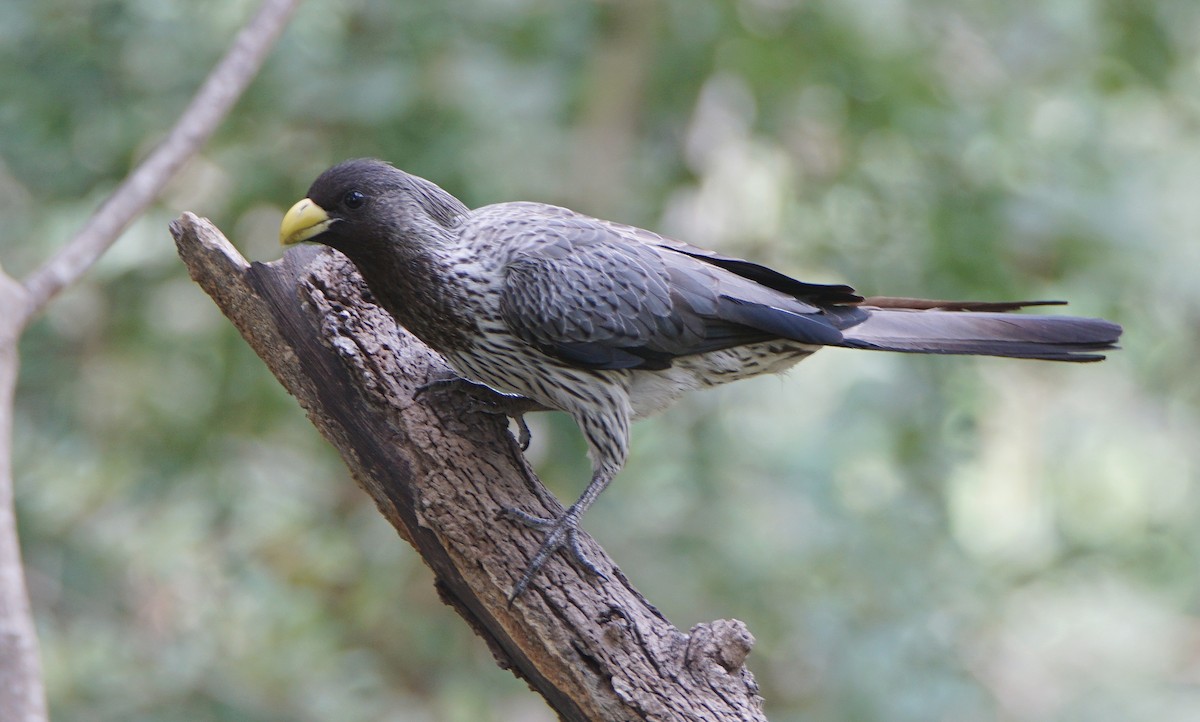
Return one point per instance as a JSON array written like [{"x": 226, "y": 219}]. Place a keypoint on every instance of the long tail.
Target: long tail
[{"x": 983, "y": 332}]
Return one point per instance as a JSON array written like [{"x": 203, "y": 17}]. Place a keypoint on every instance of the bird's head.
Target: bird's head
[{"x": 362, "y": 206}]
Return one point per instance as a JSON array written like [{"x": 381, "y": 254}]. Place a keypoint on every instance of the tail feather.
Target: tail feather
[
  {"x": 1051, "y": 338},
  {"x": 927, "y": 304}
]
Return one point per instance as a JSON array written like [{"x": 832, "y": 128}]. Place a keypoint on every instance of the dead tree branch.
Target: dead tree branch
[{"x": 440, "y": 472}]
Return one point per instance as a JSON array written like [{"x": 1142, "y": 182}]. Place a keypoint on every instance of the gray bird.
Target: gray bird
[{"x": 612, "y": 323}]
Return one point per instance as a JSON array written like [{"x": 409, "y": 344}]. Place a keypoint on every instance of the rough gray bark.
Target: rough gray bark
[{"x": 440, "y": 471}]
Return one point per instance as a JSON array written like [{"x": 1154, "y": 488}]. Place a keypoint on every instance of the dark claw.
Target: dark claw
[
  {"x": 561, "y": 533},
  {"x": 487, "y": 401},
  {"x": 523, "y": 435},
  {"x": 437, "y": 385}
]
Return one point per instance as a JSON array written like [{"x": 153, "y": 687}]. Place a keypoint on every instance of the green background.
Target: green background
[{"x": 909, "y": 538}]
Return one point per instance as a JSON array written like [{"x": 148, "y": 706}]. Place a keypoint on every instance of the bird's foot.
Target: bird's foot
[
  {"x": 444, "y": 383},
  {"x": 486, "y": 400},
  {"x": 561, "y": 533}
]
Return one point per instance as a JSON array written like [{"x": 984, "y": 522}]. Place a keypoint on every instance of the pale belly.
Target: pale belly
[
  {"x": 653, "y": 391},
  {"x": 527, "y": 373}
]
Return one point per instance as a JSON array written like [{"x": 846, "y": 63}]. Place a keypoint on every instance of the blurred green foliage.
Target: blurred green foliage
[{"x": 909, "y": 538}]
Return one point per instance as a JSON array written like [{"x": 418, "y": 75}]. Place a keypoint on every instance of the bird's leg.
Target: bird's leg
[
  {"x": 608, "y": 439},
  {"x": 562, "y": 532},
  {"x": 486, "y": 400}
]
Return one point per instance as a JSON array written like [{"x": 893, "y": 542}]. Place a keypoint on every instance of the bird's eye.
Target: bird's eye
[{"x": 354, "y": 199}]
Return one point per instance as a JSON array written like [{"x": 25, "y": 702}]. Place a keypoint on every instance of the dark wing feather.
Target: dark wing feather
[
  {"x": 580, "y": 295},
  {"x": 929, "y": 304},
  {"x": 590, "y": 295},
  {"x": 816, "y": 293}
]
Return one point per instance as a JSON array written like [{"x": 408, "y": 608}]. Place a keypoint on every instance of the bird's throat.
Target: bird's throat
[{"x": 419, "y": 291}]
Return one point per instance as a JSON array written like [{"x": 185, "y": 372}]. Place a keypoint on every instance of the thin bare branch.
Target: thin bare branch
[
  {"x": 22, "y": 695},
  {"x": 22, "y": 692},
  {"x": 199, "y": 120}
]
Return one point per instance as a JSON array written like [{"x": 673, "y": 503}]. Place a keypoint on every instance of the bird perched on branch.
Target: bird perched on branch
[{"x": 612, "y": 323}]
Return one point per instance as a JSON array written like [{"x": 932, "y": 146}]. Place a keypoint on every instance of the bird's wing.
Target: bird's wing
[
  {"x": 603, "y": 295},
  {"x": 815, "y": 293},
  {"x": 595, "y": 295}
]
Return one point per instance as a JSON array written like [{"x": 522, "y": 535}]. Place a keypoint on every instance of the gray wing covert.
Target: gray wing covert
[
  {"x": 587, "y": 293},
  {"x": 590, "y": 298}
]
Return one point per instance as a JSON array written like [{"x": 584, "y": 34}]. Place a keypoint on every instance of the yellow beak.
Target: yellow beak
[{"x": 302, "y": 222}]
